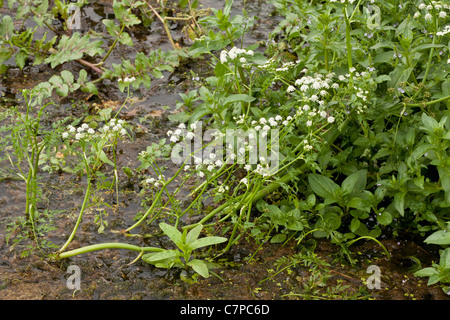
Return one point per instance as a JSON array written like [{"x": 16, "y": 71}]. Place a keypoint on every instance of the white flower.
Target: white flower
[
  {"x": 242, "y": 60},
  {"x": 190, "y": 135},
  {"x": 182, "y": 126},
  {"x": 218, "y": 163},
  {"x": 442, "y": 14},
  {"x": 422, "y": 6},
  {"x": 173, "y": 138},
  {"x": 247, "y": 167},
  {"x": 210, "y": 168},
  {"x": 193, "y": 126},
  {"x": 250, "y": 52},
  {"x": 79, "y": 136},
  {"x": 416, "y": 15},
  {"x": 80, "y": 129},
  {"x": 323, "y": 114},
  {"x": 123, "y": 132},
  {"x": 428, "y": 17},
  {"x": 309, "y": 123},
  {"x": 201, "y": 174},
  {"x": 290, "y": 89},
  {"x": 105, "y": 128},
  {"x": 304, "y": 88},
  {"x": 72, "y": 129},
  {"x": 65, "y": 135},
  {"x": 244, "y": 181},
  {"x": 223, "y": 56},
  {"x": 330, "y": 119},
  {"x": 91, "y": 131},
  {"x": 352, "y": 69},
  {"x": 341, "y": 77}
]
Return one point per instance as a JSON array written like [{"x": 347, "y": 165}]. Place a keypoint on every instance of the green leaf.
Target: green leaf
[
  {"x": 21, "y": 58},
  {"x": 104, "y": 158},
  {"x": 399, "y": 202},
  {"x": 200, "y": 267},
  {"x": 207, "y": 241},
  {"x": 238, "y": 98},
  {"x": 278, "y": 238},
  {"x": 323, "y": 186},
  {"x": 74, "y": 48},
  {"x": 359, "y": 203},
  {"x": 194, "y": 234},
  {"x": 441, "y": 237},
  {"x": 355, "y": 183},
  {"x": 159, "y": 256},
  {"x": 426, "y": 272},
  {"x": 354, "y": 224},
  {"x": 172, "y": 233},
  {"x": 384, "y": 218}
]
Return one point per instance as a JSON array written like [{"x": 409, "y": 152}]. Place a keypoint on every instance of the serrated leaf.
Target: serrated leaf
[{"x": 74, "y": 48}]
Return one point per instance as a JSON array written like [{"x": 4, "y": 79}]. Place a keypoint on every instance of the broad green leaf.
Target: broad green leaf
[
  {"x": 206, "y": 241},
  {"x": 67, "y": 76},
  {"x": 200, "y": 267},
  {"x": 278, "y": 238},
  {"x": 355, "y": 183},
  {"x": 158, "y": 256},
  {"x": 323, "y": 186},
  {"x": 102, "y": 155},
  {"x": 399, "y": 202},
  {"x": 444, "y": 262},
  {"x": 354, "y": 224},
  {"x": 426, "y": 272},
  {"x": 359, "y": 203},
  {"x": 384, "y": 218},
  {"x": 7, "y": 27},
  {"x": 194, "y": 234},
  {"x": 172, "y": 233},
  {"x": 441, "y": 237}
]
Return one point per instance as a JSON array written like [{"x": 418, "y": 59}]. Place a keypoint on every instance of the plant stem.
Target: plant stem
[
  {"x": 80, "y": 215},
  {"x": 103, "y": 246},
  {"x": 113, "y": 45}
]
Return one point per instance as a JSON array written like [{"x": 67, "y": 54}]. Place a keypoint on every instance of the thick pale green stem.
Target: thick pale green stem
[
  {"x": 80, "y": 215},
  {"x": 103, "y": 246}
]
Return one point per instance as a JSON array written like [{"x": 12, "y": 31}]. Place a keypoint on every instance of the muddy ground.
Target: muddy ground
[{"x": 108, "y": 274}]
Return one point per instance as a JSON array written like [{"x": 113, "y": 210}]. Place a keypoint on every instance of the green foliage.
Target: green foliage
[{"x": 186, "y": 242}]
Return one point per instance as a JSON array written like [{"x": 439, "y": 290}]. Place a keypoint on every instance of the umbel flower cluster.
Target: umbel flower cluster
[
  {"x": 435, "y": 9},
  {"x": 226, "y": 150},
  {"x": 235, "y": 53},
  {"x": 111, "y": 130}
]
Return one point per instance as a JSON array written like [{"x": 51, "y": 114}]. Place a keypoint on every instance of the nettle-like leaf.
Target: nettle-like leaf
[{"x": 74, "y": 48}]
